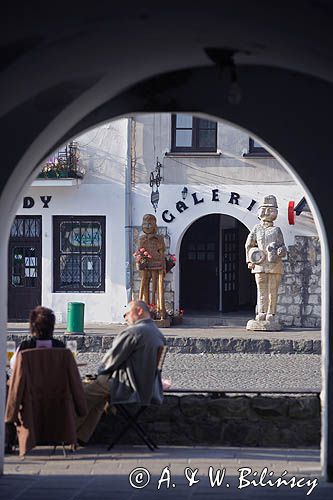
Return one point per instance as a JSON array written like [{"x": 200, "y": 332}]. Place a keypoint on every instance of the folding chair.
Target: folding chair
[
  {"x": 11, "y": 441},
  {"x": 44, "y": 397},
  {"x": 131, "y": 419}
]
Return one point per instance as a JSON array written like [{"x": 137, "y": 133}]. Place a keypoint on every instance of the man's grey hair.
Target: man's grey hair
[{"x": 142, "y": 304}]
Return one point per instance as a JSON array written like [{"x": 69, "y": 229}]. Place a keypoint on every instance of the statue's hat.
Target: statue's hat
[{"x": 269, "y": 201}]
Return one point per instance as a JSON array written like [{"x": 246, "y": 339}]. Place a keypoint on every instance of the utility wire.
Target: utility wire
[{"x": 204, "y": 173}]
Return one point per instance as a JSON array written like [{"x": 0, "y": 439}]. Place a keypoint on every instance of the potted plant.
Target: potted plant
[
  {"x": 170, "y": 262},
  {"x": 64, "y": 165},
  {"x": 176, "y": 317},
  {"x": 53, "y": 168},
  {"x": 153, "y": 311}
]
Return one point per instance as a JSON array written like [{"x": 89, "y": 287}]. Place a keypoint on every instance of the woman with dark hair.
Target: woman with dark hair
[
  {"x": 45, "y": 393},
  {"x": 42, "y": 321}
]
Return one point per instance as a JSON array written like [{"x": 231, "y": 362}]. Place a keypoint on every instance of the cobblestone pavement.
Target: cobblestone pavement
[
  {"x": 94, "y": 474},
  {"x": 234, "y": 371}
]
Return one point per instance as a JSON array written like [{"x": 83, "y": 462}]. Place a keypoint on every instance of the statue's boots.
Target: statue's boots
[{"x": 261, "y": 317}]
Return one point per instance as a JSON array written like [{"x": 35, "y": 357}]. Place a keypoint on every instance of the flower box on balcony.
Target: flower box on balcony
[{"x": 66, "y": 174}]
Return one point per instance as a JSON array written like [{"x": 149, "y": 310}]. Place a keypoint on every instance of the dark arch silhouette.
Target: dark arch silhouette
[{"x": 66, "y": 72}]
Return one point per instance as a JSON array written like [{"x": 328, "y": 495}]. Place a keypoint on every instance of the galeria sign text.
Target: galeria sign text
[{"x": 181, "y": 206}]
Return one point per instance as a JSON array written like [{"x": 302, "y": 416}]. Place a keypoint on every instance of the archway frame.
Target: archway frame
[{"x": 52, "y": 135}]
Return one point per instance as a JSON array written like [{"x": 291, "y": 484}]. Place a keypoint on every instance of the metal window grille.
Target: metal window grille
[{"x": 79, "y": 253}]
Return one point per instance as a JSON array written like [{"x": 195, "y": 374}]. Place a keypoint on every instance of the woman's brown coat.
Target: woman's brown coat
[{"x": 45, "y": 394}]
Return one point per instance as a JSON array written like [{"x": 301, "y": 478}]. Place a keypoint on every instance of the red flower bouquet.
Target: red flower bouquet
[{"x": 142, "y": 258}]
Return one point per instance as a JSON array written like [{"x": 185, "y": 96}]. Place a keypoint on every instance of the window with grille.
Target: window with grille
[
  {"x": 26, "y": 227},
  {"x": 193, "y": 134},
  {"x": 79, "y": 253},
  {"x": 201, "y": 251}
]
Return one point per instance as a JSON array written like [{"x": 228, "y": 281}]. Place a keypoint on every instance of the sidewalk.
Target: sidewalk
[
  {"x": 95, "y": 474},
  {"x": 186, "y": 331}
]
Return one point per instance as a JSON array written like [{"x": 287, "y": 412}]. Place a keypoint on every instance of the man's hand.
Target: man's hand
[{"x": 251, "y": 265}]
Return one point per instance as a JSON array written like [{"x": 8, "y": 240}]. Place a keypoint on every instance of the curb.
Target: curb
[{"x": 191, "y": 345}]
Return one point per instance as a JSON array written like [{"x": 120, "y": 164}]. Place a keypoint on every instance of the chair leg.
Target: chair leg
[
  {"x": 120, "y": 435},
  {"x": 136, "y": 425},
  {"x": 139, "y": 429},
  {"x": 131, "y": 419},
  {"x": 63, "y": 449},
  {"x": 131, "y": 422}
]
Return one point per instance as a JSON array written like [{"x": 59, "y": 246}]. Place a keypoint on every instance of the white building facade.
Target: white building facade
[{"x": 73, "y": 238}]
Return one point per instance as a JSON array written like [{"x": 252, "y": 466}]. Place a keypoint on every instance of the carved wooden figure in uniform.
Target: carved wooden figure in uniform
[
  {"x": 264, "y": 251},
  {"x": 155, "y": 267}
]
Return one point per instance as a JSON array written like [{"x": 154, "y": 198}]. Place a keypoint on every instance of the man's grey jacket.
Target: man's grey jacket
[{"x": 131, "y": 363}]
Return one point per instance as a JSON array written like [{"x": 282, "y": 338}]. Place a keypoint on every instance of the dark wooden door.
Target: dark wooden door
[
  {"x": 24, "y": 267},
  {"x": 230, "y": 270},
  {"x": 199, "y": 265}
]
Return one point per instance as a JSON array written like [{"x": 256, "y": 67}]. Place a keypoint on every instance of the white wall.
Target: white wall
[
  {"x": 103, "y": 153},
  {"x": 153, "y": 138}
]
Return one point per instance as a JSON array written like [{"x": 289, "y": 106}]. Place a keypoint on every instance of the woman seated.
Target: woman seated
[{"x": 42, "y": 321}]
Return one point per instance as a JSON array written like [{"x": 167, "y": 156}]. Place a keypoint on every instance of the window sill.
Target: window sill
[
  {"x": 78, "y": 291},
  {"x": 193, "y": 154},
  {"x": 257, "y": 155},
  {"x": 56, "y": 182}
]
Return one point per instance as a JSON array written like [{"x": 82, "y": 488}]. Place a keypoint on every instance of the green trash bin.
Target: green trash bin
[{"x": 75, "y": 317}]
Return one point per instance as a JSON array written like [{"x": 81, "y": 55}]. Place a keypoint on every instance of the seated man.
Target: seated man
[{"x": 128, "y": 371}]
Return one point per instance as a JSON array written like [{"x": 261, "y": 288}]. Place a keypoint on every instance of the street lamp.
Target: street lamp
[
  {"x": 154, "y": 198},
  {"x": 154, "y": 182}
]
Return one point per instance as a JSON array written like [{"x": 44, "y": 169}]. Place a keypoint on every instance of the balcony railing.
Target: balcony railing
[{"x": 64, "y": 165}]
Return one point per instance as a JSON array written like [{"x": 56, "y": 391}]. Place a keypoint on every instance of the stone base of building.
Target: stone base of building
[
  {"x": 162, "y": 323},
  {"x": 263, "y": 326},
  {"x": 286, "y": 342},
  {"x": 73, "y": 333}
]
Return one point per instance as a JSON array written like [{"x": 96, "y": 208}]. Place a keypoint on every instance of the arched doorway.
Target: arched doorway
[{"x": 213, "y": 273}]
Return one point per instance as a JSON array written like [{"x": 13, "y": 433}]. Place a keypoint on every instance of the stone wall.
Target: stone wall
[
  {"x": 260, "y": 420},
  {"x": 299, "y": 302},
  {"x": 194, "y": 345},
  {"x": 168, "y": 284}
]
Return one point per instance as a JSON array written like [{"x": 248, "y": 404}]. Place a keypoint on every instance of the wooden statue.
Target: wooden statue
[
  {"x": 154, "y": 268},
  {"x": 264, "y": 251}
]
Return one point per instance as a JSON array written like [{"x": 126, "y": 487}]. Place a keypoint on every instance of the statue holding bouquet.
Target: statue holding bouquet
[{"x": 150, "y": 258}]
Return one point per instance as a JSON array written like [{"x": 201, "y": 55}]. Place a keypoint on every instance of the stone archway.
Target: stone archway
[
  {"x": 285, "y": 99},
  {"x": 15, "y": 189}
]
